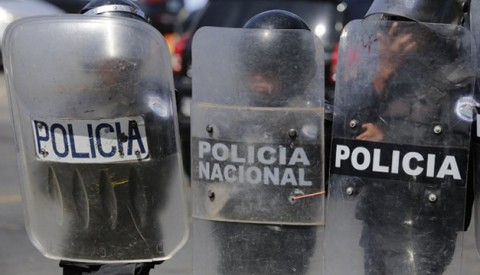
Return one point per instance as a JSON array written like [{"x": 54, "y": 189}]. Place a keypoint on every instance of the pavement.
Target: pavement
[{"x": 19, "y": 257}]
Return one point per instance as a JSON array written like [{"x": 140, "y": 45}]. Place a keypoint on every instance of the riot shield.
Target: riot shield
[
  {"x": 257, "y": 151},
  {"x": 96, "y": 131},
  {"x": 401, "y": 137},
  {"x": 473, "y": 20},
  {"x": 475, "y": 29}
]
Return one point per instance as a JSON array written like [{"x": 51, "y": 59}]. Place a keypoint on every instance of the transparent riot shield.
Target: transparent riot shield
[
  {"x": 401, "y": 136},
  {"x": 475, "y": 29},
  {"x": 257, "y": 151},
  {"x": 95, "y": 123},
  {"x": 473, "y": 20}
]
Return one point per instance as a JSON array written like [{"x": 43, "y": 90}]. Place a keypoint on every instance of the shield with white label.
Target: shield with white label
[
  {"x": 401, "y": 137},
  {"x": 95, "y": 124},
  {"x": 257, "y": 151}
]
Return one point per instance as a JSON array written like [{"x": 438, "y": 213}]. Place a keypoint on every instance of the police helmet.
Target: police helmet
[
  {"x": 124, "y": 8},
  {"x": 426, "y": 11},
  {"x": 276, "y": 19},
  {"x": 286, "y": 56}
]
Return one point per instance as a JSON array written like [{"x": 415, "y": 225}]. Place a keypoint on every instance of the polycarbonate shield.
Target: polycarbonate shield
[
  {"x": 475, "y": 29},
  {"x": 95, "y": 123},
  {"x": 473, "y": 20},
  {"x": 257, "y": 126},
  {"x": 401, "y": 136},
  {"x": 257, "y": 151}
]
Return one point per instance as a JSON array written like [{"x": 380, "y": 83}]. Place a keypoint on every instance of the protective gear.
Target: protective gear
[
  {"x": 276, "y": 19},
  {"x": 396, "y": 202},
  {"x": 427, "y": 11},
  {"x": 475, "y": 29},
  {"x": 124, "y": 8},
  {"x": 264, "y": 52},
  {"x": 255, "y": 160},
  {"x": 97, "y": 138}
]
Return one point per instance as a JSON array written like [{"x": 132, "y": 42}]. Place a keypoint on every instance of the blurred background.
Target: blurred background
[{"x": 177, "y": 21}]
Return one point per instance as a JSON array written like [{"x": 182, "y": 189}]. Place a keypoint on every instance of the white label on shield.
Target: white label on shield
[{"x": 90, "y": 141}]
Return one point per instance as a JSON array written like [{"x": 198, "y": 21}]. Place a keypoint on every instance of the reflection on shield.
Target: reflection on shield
[
  {"x": 257, "y": 152},
  {"x": 97, "y": 139},
  {"x": 397, "y": 188}
]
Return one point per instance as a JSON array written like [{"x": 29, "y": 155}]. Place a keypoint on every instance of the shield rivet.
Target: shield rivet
[
  {"x": 350, "y": 191},
  {"x": 295, "y": 193},
  {"x": 209, "y": 129},
  {"x": 292, "y": 133},
  {"x": 211, "y": 195},
  {"x": 432, "y": 198},
  {"x": 353, "y": 123},
  {"x": 44, "y": 153},
  {"x": 437, "y": 129}
]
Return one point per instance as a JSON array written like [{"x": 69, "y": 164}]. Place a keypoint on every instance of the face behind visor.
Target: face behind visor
[{"x": 280, "y": 64}]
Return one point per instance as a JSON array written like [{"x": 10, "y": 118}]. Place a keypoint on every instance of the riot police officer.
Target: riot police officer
[
  {"x": 271, "y": 80},
  {"x": 393, "y": 117},
  {"x": 475, "y": 29},
  {"x": 103, "y": 172}
]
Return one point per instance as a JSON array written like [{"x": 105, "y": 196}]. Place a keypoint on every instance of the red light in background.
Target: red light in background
[
  {"x": 177, "y": 55},
  {"x": 333, "y": 65}
]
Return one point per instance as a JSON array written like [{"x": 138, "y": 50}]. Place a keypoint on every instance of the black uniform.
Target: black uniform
[
  {"x": 404, "y": 233},
  {"x": 255, "y": 227}
]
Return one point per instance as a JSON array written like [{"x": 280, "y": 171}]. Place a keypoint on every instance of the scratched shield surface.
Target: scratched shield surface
[
  {"x": 97, "y": 140},
  {"x": 257, "y": 152},
  {"x": 398, "y": 182}
]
